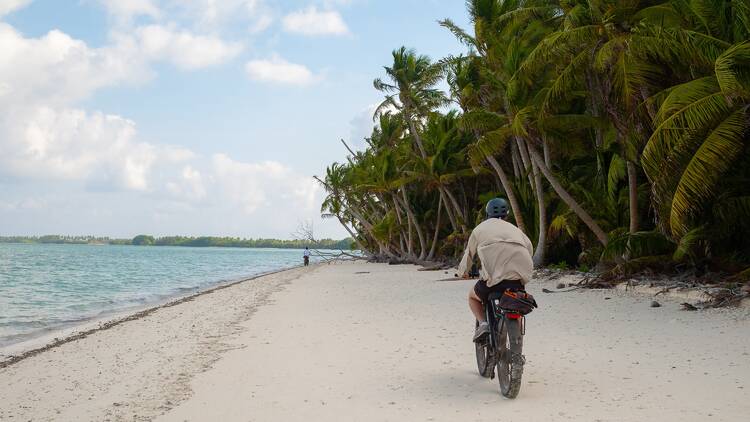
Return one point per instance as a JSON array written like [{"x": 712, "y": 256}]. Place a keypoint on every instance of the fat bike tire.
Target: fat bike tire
[
  {"x": 485, "y": 358},
  {"x": 511, "y": 360}
]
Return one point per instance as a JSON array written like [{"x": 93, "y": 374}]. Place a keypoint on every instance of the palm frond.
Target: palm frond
[
  {"x": 689, "y": 242},
  {"x": 490, "y": 143},
  {"x": 616, "y": 173},
  {"x": 688, "y": 107},
  {"x": 481, "y": 120},
  {"x": 563, "y": 86},
  {"x": 458, "y": 32},
  {"x": 635, "y": 245},
  {"x": 704, "y": 171},
  {"x": 733, "y": 70}
]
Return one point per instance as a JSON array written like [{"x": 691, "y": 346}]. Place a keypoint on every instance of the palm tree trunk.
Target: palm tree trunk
[
  {"x": 401, "y": 235},
  {"x": 547, "y": 158},
  {"x": 358, "y": 215},
  {"x": 633, "y": 195},
  {"x": 525, "y": 160},
  {"x": 515, "y": 159},
  {"x": 508, "y": 188},
  {"x": 401, "y": 244},
  {"x": 541, "y": 244},
  {"x": 451, "y": 217},
  {"x": 437, "y": 230},
  {"x": 415, "y": 223},
  {"x": 397, "y": 208},
  {"x": 387, "y": 210},
  {"x": 414, "y": 133},
  {"x": 464, "y": 201},
  {"x": 353, "y": 236},
  {"x": 408, "y": 237},
  {"x": 369, "y": 229},
  {"x": 462, "y": 218},
  {"x": 568, "y": 199},
  {"x": 410, "y": 242}
]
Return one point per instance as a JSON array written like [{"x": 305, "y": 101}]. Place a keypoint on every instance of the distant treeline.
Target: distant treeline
[{"x": 205, "y": 241}]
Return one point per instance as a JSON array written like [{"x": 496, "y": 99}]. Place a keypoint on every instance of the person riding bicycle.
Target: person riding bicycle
[{"x": 505, "y": 253}]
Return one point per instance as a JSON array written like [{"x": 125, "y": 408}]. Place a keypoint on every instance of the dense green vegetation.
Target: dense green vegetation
[
  {"x": 146, "y": 240},
  {"x": 143, "y": 240},
  {"x": 617, "y": 129}
]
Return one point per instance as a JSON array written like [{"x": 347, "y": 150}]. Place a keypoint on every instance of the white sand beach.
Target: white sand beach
[{"x": 372, "y": 342}]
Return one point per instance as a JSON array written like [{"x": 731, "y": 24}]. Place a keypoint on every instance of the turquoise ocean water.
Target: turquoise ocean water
[{"x": 48, "y": 287}]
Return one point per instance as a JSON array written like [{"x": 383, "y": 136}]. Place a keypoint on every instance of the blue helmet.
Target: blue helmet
[{"x": 497, "y": 208}]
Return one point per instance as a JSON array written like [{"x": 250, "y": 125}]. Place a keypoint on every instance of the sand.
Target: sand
[{"x": 371, "y": 342}]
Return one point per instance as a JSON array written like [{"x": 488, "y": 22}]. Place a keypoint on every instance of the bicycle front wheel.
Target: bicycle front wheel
[
  {"x": 510, "y": 362},
  {"x": 485, "y": 358}
]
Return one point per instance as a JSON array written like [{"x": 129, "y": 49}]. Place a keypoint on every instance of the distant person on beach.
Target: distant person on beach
[
  {"x": 306, "y": 256},
  {"x": 505, "y": 253}
]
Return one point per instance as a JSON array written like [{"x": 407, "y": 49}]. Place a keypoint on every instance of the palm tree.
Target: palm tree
[
  {"x": 598, "y": 47},
  {"x": 444, "y": 163},
  {"x": 465, "y": 83},
  {"x": 702, "y": 123},
  {"x": 411, "y": 89},
  {"x": 501, "y": 42},
  {"x": 561, "y": 103}
]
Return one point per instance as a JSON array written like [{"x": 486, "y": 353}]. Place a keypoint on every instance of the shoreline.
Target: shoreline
[
  {"x": 39, "y": 342},
  {"x": 17, "y": 351}
]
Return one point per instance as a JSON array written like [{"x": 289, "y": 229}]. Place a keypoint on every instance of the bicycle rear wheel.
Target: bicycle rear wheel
[
  {"x": 485, "y": 358},
  {"x": 510, "y": 362}
]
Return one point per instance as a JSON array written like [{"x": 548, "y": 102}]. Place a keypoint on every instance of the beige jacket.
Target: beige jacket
[{"x": 504, "y": 250}]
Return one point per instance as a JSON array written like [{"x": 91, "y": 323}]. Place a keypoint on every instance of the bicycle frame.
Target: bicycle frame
[
  {"x": 502, "y": 348},
  {"x": 496, "y": 316}
]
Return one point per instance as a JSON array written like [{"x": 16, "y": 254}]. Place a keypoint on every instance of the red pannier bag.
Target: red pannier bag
[{"x": 517, "y": 301}]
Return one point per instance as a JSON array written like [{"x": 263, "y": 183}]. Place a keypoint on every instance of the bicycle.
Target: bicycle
[{"x": 502, "y": 347}]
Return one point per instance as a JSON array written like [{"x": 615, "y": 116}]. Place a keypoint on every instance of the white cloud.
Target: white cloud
[
  {"x": 190, "y": 185},
  {"x": 54, "y": 153},
  {"x": 99, "y": 150},
  {"x": 125, "y": 10},
  {"x": 259, "y": 15},
  {"x": 10, "y": 6},
  {"x": 254, "y": 185},
  {"x": 186, "y": 50},
  {"x": 57, "y": 69},
  {"x": 310, "y": 21},
  {"x": 44, "y": 136},
  {"x": 104, "y": 154},
  {"x": 260, "y": 23},
  {"x": 278, "y": 70},
  {"x": 213, "y": 14}
]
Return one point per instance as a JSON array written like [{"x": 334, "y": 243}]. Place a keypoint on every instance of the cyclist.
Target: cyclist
[{"x": 505, "y": 253}]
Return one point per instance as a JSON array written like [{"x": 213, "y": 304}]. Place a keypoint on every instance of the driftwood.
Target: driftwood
[
  {"x": 305, "y": 232},
  {"x": 722, "y": 290}
]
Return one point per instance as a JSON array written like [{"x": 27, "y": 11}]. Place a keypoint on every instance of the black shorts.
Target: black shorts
[{"x": 483, "y": 292}]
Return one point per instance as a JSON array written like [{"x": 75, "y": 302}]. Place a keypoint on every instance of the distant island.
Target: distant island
[{"x": 203, "y": 241}]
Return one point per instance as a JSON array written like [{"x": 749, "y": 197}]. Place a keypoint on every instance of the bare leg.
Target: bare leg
[{"x": 476, "y": 306}]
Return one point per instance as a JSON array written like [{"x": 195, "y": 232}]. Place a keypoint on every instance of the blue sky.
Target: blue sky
[{"x": 194, "y": 117}]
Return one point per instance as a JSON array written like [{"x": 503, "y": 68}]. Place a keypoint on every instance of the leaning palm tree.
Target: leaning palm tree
[
  {"x": 594, "y": 50},
  {"x": 501, "y": 44},
  {"x": 465, "y": 83},
  {"x": 445, "y": 163},
  {"x": 411, "y": 89},
  {"x": 340, "y": 199}
]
